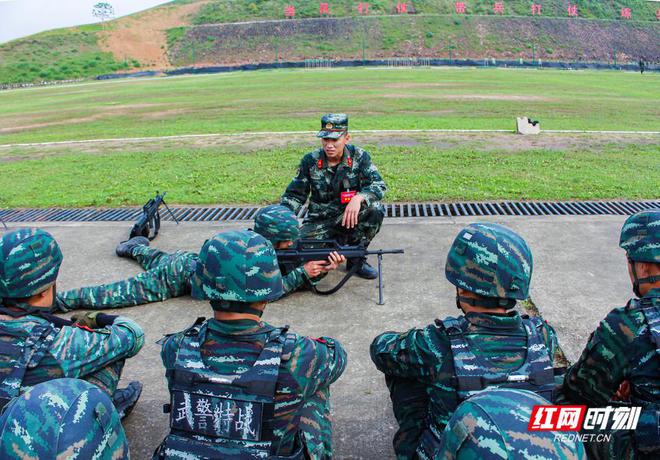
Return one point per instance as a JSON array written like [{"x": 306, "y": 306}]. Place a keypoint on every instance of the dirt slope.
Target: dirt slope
[{"x": 143, "y": 36}]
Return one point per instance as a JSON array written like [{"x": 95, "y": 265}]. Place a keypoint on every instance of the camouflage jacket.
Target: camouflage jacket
[
  {"x": 74, "y": 352},
  {"x": 422, "y": 358},
  {"x": 312, "y": 365},
  {"x": 621, "y": 348},
  {"x": 323, "y": 185},
  {"x": 294, "y": 279}
]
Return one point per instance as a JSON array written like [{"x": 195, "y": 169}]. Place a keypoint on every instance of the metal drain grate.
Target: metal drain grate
[
  {"x": 520, "y": 208},
  {"x": 236, "y": 213}
]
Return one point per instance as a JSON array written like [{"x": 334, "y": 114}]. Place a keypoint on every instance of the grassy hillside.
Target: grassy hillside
[
  {"x": 163, "y": 36},
  {"x": 57, "y": 55},
  {"x": 474, "y": 37},
  {"x": 221, "y": 11}
]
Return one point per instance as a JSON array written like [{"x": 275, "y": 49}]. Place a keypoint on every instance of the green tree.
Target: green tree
[{"x": 103, "y": 11}]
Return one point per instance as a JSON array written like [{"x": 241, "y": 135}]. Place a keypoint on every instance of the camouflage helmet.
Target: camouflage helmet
[
  {"x": 62, "y": 418},
  {"x": 238, "y": 266},
  {"x": 30, "y": 260},
  {"x": 494, "y": 424},
  {"x": 490, "y": 260},
  {"x": 277, "y": 223},
  {"x": 640, "y": 236}
]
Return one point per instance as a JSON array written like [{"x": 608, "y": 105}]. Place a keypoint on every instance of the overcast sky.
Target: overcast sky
[{"x": 24, "y": 17}]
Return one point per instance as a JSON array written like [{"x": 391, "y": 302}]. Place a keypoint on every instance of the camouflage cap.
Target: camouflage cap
[
  {"x": 239, "y": 266},
  {"x": 30, "y": 260},
  {"x": 277, "y": 223},
  {"x": 490, "y": 260},
  {"x": 62, "y": 418},
  {"x": 333, "y": 125},
  {"x": 493, "y": 424},
  {"x": 640, "y": 236}
]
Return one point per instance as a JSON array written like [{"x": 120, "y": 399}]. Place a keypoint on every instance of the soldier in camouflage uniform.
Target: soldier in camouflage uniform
[
  {"x": 280, "y": 226},
  {"x": 625, "y": 349},
  {"x": 344, "y": 190},
  {"x": 168, "y": 275},
  {"x": 218, "y": 369},
  {"x": 493, "y": 425},
  {"x": 62, "y": 419},
  {"x": 430, "y": 371},
  {"x": 36, "y": 346}
]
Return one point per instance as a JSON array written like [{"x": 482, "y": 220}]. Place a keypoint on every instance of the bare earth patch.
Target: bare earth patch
[
  {"x": 481, "y": 97},
  {"x": 19, "y": 124},
  {"x": 247, "y": 143},
  {"x": 405, "y": 85},
  {"x": 142, "y": 36}
]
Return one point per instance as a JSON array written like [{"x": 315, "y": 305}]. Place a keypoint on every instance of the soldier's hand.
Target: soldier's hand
[
  {"x": 623, "y": 393},
  {"x": 334, "y": 260},
  {"x": 88, "y": 319},
  {"x": 350, "y": 218},
  {"x": 314, "y": 268}
]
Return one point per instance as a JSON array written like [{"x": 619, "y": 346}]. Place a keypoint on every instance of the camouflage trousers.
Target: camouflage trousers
[
  {"x": 107, "y": 378},
  {"x": 370, "y": 219},
  {"x": 316, "y": 425},
  {"x": 166, "y": 276},
  {"x": 410, "y": 406}
]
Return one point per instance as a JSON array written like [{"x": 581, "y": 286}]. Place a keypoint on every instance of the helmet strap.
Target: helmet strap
[
  {"x": 27, "y": 309},
  {"x": 486, "y": 302},
  {"x": 19, "y": 309},
  {"x": 235, "y": 307},
  {"x": 637, "y": 282}
]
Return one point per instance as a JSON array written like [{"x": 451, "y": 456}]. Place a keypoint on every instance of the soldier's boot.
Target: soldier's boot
[
  {"x": 365, "y": 271},
  {"x": 125, "y": 248},
  {"x": 125, "y": 399}
]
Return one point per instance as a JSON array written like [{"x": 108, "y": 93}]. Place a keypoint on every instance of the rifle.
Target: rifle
[
  {"x": 148, "y": 224},
  {"x": 305, "y": 250},
  {"x": 530, "y": 309}
]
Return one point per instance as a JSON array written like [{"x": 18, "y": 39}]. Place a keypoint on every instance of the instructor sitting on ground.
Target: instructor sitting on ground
[{"x": 344, "y": 190}]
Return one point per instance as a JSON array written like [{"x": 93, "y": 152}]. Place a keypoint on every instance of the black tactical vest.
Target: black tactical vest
[
  {"x": 215, "y": 416},
  {"x": 17, "y": 349}
]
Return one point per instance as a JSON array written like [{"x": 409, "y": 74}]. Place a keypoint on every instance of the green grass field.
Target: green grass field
[
  {"x": 293, "y": 100},
  {"x": 201, "y": 172},
  {"x": 204, "y": 176}
]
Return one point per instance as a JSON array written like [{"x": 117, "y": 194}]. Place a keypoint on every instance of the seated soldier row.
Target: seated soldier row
[{"x": 241, "y": 388}]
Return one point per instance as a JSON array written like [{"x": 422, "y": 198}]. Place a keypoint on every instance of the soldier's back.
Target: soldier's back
[{"x": 233, "y": 347}]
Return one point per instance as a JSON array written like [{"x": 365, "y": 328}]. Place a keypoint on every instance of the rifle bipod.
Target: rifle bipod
[{"x": 349, "y": 274}]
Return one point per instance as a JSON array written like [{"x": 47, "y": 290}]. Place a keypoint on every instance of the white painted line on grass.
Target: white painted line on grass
[{"x": 283, "y": 133}]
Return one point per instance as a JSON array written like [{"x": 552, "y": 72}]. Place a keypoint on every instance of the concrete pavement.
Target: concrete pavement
[{"x": 579, "y": 276}]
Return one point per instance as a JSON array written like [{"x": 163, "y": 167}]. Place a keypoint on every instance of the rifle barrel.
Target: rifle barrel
[{"x": 385, "y": 251}]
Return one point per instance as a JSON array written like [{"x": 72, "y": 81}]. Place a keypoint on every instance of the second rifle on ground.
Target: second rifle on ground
[{"x": 148, "y": 224}]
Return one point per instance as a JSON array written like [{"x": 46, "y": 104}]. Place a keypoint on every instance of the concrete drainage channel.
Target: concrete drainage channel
[{"x": 423, "y": 210}]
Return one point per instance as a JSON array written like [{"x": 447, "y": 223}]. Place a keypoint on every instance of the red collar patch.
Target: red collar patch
[{"x": 319, "y": 163}]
